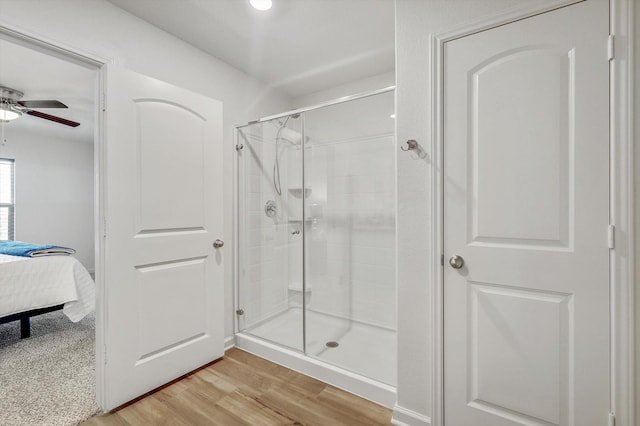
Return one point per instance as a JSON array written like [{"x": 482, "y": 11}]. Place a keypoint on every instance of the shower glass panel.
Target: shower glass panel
[
  {"x": 270, "y": 232},
  {"x": 350, "y": 238}
]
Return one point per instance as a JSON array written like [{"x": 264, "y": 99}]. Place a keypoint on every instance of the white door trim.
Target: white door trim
[
  {"x": 621, "y": 203},
  {"x": 622, "y": 215},
  {"x": 73, "y": 54}
]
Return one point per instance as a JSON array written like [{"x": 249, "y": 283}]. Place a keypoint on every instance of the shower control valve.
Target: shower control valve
[{"x": 271, "y": 208}]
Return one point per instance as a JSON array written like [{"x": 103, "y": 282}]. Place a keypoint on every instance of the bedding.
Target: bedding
[
  {"x": 19, "y": 248},
  {"x": 28, "y": 283}
]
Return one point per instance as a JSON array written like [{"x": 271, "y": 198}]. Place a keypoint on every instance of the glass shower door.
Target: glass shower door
[
  {"x": 350, "y": 239},
  {"x": 270, "y": 234}
]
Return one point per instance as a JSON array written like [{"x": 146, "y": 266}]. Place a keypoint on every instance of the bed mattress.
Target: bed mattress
[{"x": 33, "y": 283}]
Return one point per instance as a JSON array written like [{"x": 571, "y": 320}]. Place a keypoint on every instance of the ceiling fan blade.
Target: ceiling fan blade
[
  {"x": 53, "y": 118},
  {"x": 42, "y": 104}
]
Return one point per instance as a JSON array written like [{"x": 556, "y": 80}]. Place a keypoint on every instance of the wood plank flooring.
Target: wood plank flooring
[{"x": 243, "y": 389}]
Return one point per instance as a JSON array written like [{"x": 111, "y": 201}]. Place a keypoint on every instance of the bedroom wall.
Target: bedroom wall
[
  {"x": 100, "y": 28},
  {"x": 54, "y": 191}
]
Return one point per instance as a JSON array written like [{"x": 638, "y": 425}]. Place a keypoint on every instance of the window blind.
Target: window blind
[{"x": 7, "y": 198}]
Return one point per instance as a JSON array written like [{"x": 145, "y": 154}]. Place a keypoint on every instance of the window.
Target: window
[{"x": 7, "y": 199}]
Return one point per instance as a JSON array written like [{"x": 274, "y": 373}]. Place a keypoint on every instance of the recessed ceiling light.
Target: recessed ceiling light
[{"x": 261, "y": 4}]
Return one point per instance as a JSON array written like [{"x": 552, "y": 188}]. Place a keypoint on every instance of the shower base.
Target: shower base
[{"x": 363, "y": 362}]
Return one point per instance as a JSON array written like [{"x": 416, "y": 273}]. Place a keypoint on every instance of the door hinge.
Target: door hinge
[
  {"x": 611, "y": 236},
  {"x": 104, "y": 102},
  {"x": 612, "y": 420},
  {"x": 610, "y": 47},
  {"x": 442, "y": 259}
]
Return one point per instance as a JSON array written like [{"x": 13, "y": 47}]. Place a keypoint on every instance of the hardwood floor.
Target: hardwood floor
[{"x": 243, "y": 389}]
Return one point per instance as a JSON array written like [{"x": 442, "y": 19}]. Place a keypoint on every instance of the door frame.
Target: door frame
[
  {"x": 72, "y": 54},
  {"x": 621, "y": 203}
]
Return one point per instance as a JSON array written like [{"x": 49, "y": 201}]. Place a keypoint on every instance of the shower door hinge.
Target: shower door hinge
[
  {"x": 610, "y": 47},
  {"x": 611, "y": 236},
  {"x": 612, "y": 420}
]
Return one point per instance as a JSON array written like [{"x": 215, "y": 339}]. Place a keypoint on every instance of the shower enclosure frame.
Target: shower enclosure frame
[{"x": 368, "y": 388}]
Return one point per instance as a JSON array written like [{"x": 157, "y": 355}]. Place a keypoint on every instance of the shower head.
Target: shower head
[
  {"x": 291, "y": 136},
  {"x": 285, "y": 134}
]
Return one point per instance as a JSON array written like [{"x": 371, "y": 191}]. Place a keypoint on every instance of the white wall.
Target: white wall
[
  {"x": 54, "y": 191},
  {"x": 99, "y": 28},
  {"x": 416, "y": 20}
]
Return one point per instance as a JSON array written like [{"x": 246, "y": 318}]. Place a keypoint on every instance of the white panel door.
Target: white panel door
[
  {"x": 526, "y": 136},
  {"x": 163, "y": 198}
]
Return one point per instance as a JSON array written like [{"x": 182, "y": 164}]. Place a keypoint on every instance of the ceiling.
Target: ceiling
[
  {"x": 22, "y": 68},
  {"x": 298, "y": 46}
]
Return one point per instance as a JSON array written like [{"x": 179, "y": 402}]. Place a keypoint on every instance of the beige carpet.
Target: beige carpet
[{"x": 49, "y": 378}]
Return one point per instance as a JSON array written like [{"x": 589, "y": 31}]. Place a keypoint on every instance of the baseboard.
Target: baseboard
[
  {"x": 405, "y": 417},
  {"x": 229, "y": 342}
]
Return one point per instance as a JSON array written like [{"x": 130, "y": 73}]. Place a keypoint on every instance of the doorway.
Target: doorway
[{"x": 53, "y": 148}]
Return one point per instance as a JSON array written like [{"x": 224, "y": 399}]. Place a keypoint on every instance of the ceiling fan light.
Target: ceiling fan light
[
  {"x": 261, "y": 4},
  {"x": 7, "y": 113}
]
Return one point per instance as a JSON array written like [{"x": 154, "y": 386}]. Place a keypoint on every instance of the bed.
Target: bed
[{"x": 32, "y": 286}]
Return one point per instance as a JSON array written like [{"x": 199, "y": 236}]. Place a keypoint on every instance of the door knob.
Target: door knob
[
  {"x": 456, "y": 262},
  {"x": 218, "y": 243}
]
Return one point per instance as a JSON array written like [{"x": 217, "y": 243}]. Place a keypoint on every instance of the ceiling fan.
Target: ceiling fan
[{"x": 11, "y": 107}]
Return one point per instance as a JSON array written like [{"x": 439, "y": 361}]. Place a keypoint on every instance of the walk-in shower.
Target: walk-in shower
[{"x": 315, "y": 260}]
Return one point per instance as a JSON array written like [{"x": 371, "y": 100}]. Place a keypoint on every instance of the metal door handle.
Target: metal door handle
[
  {"x": 456, "y": 262},
  {"x": 218, "y": 243}
]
